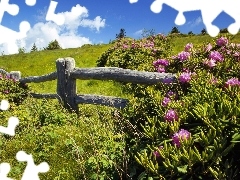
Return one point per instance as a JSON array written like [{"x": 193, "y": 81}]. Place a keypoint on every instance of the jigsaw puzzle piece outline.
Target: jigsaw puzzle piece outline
[
  {"x": 31, "y": 171},
  {"x": 11, "y": 9},
  {"x": 4, "y": 170},
  {"x": 30, "y": 2},
  {"x": 51, "y": 16},
  {"x": 209, "y": 14},
  {"x": 4, "y": 105},
  {"x": 10, "y": 129}
]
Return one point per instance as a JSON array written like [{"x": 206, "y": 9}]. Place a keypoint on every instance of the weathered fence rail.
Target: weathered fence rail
[{"x": 67, "y": 74}]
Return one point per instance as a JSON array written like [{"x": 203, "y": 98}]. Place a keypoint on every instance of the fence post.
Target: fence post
[
  {"x": 66, "y": 86},
  {"x": 15, "y": 75}
]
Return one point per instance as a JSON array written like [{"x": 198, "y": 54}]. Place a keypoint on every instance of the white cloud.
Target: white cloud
[
  {"x": 195, "y": 22},
  {"x": 67, "y": 34},
  {"x": 97, "y": 23},
  {"x": 139, "y": 32}
]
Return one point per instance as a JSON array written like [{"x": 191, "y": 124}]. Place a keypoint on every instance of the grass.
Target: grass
[
  {"x": 43, "y": 62},
  {"x": 92, "y": 131},
  {"x": 179, "y": 42}
]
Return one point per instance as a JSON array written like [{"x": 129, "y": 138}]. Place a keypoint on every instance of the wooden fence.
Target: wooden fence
[{"x": 67, "y": 74}]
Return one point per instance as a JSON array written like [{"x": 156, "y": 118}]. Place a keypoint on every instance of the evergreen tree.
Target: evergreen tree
[
  {"x": 53, "y": 45},
  {"x": 122, "y": 34},
  {"x": 203, "y": 31},
  {"x": 34, "y": 48},
  {"x": 190, "y": 33},
  {"x": 174, "y": 30},
  {"x": 21, "y": 50}
]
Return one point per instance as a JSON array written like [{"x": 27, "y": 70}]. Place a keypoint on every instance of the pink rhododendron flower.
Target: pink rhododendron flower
[
  {"x": 208, "y": 48},
  {"x": 222, "y": 41},
  {"x": 162, "y": 62},
  {"x": 180, "y": 136},
  {"x": 185, "y": 77},
  {"x": 215, "y": 55},
  {"x": 188, "y": 47},
  {"x": 210, "y": 63},
  {"x": 232, "y": 82},
  {"x": 165, "y": 101},
  {"x": 183, "y": 56},
  {"x": 161, "y": 69},
  {"x": 171, "y": 95},
  {"x": 171, "y": 115}
]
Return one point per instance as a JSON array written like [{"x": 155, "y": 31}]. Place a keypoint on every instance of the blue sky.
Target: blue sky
[{"x": 99, "y": 21}]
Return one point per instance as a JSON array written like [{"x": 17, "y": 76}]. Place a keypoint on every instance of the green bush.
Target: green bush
[
  {"x": 187, "y": 129},
  {"x": 12, "y": 90},
  {"x": 84, "y": 147}
]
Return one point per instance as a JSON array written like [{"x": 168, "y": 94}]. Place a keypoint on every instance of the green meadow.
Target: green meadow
[{"x": 100, "y": 142}]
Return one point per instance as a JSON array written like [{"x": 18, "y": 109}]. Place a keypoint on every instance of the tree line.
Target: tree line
[{"x": 51, "y": 46}]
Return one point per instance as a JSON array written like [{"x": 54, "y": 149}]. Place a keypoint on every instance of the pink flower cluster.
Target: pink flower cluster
[
  {"x": 160, "y": 65},
  {"x": 216, "y": 56},
  {"x": 183, "y": 56},
  {"x": 208, "y": 48},
  {"x": 188, "y": 47},
  {"x": 232, "y": 82},
  {"x": 185, "y": 77},
  {"x": 213, "y": 58},
  {"x": 222, "y": 41},
  {"x": 171, "y": 115},
  {"x": 180, "y": 136}
]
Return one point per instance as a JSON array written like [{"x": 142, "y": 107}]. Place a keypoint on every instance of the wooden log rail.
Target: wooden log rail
[{"x": 67, "y": 74}]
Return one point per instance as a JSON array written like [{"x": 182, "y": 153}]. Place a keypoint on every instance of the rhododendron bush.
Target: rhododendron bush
[{"x": 188, "y": 129}]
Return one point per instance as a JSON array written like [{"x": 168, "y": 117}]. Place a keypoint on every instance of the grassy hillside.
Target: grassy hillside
[
  {"x": 180, "y": 41},
  {"x": 102, "y": 143},
  {"x": 43, "y": 62}
]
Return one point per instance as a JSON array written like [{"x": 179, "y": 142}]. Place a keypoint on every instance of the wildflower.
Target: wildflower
[
  {"x": 215, "y": 55},
  {"x": 222, "y": 41},
  {"x": 188, "y": 47},
  {"x": 171, "y": 95},
  {"x": 165, "y": 102},
  {"x": 211, "y": 63},
  {"x": 6, "y": 92},
  {"x": 161, "y": 69},
  {"x": 237, "y": 55},
  {"x": 156, "y": 153},
  {"x": 171, "y": 115},
  {"x": 180, "y": 136},
  {"x": 162, "y": 62},
  {"x": 182, "y": 56},
  {"x": 185, "y": 77},
  {"x": 232, "y": 82},
  {"x": 208, "y": 48},
  {"x": 214, "y": 80}
]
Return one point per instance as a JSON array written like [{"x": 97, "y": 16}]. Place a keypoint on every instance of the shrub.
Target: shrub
[
  {"x": 53, "y": 45},
  {"x": 12, "y": 90},
  {"x": 188, "y": 129},
  {"x": 84, "y": 147}
]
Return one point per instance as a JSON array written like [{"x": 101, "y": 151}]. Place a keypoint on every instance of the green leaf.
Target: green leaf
[{"x": 182, "y": 169}]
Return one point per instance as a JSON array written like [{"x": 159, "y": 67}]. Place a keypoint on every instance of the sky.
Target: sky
[{"x": 96, "y": 21}]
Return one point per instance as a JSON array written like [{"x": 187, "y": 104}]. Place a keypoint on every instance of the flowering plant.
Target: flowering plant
[
  {"x": 12, "y": 90},
  {"x": 190, "y": 127}
]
